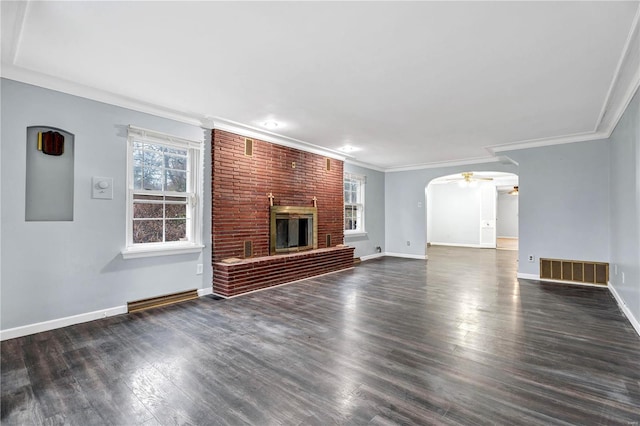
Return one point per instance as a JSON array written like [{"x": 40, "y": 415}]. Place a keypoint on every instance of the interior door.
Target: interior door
[{"x": 488, "y": 209}]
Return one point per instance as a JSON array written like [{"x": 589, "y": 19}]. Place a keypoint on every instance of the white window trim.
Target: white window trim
[
  {"x": 362, "y": 231},
  {"x": 196, "y": 148}
]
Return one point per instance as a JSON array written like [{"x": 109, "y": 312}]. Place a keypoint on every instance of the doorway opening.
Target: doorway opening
[{"x": 473, "y": 209}]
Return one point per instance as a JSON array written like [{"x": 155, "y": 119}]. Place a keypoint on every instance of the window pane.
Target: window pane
[
  {"x": 145, "y": 210},
  {"x": 151, "y": 147},
  {"x": 176, "y": 211},
  {"x": 138, "y": 156},
  {"x": 152, "y": 159},
  {"x": 137, "y": 178},
  {"x": 147, "y": 231},
  {"x": 177, "y": 151},
  {"x": 152, "y": 179},
  {"x": 176, "y": 181},
  {"x": 175, "y": 162},
  {"x": 347, "y": 197},
  {"x": 176, "y": 230}
]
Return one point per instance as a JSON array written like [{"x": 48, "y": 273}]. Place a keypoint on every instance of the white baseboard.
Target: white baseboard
[
  {"x": 461, "y": 245},
  {"x": 528, "y": 276},
  {"x": 39, "y": 327},
  {"x": 371, "y": 256},
  {"x": 204, "y": 291},
  {"x": 625, "y": 309},
  {"x": 548, "y": 280},
  {"x": 407, "y": 256},
  {"x": 623, "y": 306}
]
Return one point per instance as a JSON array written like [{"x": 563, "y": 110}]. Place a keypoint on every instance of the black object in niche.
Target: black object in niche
[{"x": 51, "y": 143}]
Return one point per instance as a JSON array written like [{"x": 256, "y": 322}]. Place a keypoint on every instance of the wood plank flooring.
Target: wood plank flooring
[{"x": 456, "y": 340}]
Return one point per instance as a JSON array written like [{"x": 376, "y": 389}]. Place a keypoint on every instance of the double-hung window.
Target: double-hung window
[
  {"x": 164, "y": 189},
  {"x": 353, "y": 204}
]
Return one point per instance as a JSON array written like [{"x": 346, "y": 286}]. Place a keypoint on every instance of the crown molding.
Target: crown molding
[
  {"x": 14, "y": 36},
  {"x": 537, "y": 143},
  {"x": 627, "y": 64},
  {"x": 254, "y": 132},
  {"x": 364, "y": 165},
  {"x": 624, "y": 84},
  {"x": 24, "y": 75},
  {"x": 441, "y": 164}
]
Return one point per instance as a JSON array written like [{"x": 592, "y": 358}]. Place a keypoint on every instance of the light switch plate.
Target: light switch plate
[{"x": 102, "y": 187}]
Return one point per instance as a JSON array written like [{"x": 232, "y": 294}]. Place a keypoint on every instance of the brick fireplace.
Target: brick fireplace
[{"x": 244, "y": 174}]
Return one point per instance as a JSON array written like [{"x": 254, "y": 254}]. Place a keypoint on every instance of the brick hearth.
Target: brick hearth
[{"x": 263, "y": 272}]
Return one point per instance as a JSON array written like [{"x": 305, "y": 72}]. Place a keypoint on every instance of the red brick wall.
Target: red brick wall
[{"x": 240, "y": 184}]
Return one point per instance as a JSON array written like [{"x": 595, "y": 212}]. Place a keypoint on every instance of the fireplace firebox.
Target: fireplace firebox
[{"x": 293, "y": 229}]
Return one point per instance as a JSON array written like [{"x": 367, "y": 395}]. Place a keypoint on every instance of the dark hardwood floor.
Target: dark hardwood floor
[{"x": 455, "y": 340}]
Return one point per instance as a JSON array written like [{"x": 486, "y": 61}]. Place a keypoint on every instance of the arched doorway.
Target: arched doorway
[{"x": 472, "y": 209}]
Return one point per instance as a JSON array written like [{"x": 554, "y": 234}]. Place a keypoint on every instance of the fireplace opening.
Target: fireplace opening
[{"x": 293, "y": 229}]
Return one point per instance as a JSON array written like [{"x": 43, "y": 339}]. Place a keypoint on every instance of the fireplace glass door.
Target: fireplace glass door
[
  {"x": 293, "y": 229},
  {"x": 293, "y": 232}
]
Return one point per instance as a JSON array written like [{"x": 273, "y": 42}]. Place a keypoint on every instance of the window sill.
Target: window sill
[
  {"x": 348, "y": 234},
  {"x": 137, "y": 252}
]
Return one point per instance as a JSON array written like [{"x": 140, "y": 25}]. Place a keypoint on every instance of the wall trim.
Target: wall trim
[
  {"x": 406, "y": 255},
  {"x": 547, "y": 280},
  {"x": 371, "y": 256},
  {"x": 364, "y": 165},
  {"x": 205, "y": 291},
  {"x": 22, "y": 75},
  {"x": 39, "y": 327},
  {"x": 620, "y": 69},
  {"x": 441, "y": 164},
  {"x": 540, "y": 142},
  {"x": 624, "y": 308},
  {"x": 528, "y": 276},
  {"x": 264, "y": 135}
]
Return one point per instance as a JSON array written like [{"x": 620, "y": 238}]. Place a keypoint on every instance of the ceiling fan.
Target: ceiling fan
[{"x": 468, "y": 180}]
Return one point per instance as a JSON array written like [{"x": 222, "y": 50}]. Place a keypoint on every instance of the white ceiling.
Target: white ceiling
[{"x": 408, "y": 83}]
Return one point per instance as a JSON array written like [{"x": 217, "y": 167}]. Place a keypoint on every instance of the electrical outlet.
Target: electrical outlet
[
  {"x": 199, "y": 269},
  {"x": 532, "y": 258},
  {"x": 408, "y": 243}
]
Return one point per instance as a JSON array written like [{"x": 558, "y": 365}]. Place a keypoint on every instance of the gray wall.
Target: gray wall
[
  {"x": 564, "y": 203},
  {"x": 507, "y": 216},
  {"x": 374, "y": 212},
  {"x": 405, "y": 204},
  {"x": 624, "y": 148},
  {"x": 52, "y": 270}
]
